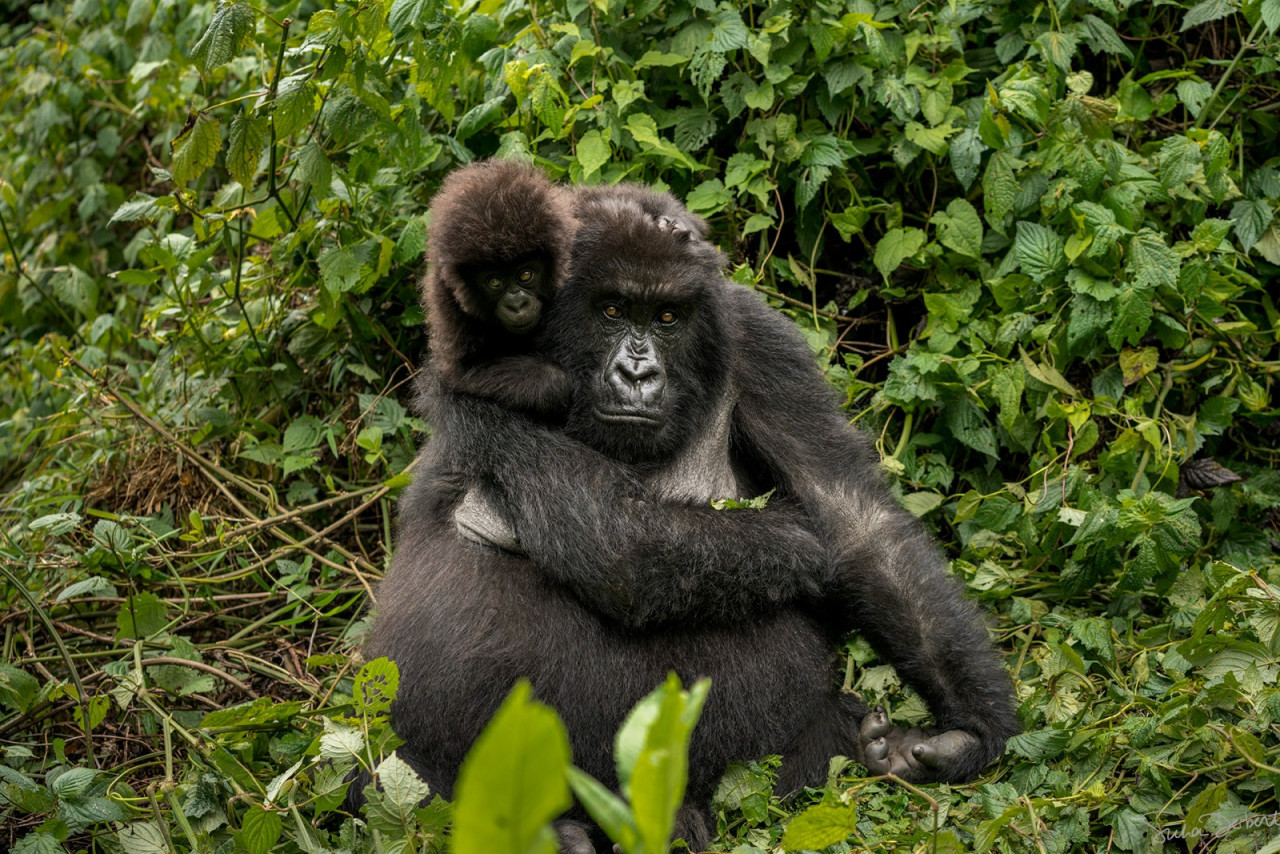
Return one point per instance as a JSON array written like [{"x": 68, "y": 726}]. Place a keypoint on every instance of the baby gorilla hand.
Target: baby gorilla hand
[
  {"x": 917, "y": 755},
  {"x": 666, "y": 223}
]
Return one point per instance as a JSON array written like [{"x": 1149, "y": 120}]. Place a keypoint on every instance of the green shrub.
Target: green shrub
[{"x": 1035, "y": 244}]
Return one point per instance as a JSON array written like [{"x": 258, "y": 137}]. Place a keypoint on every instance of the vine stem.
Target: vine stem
[
  {"x": 1226, "y": 75},
  {"x": 81, "y": 696}
]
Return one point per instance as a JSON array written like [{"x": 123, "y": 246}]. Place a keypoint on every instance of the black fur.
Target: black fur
[{"x": 622, "y": 583}]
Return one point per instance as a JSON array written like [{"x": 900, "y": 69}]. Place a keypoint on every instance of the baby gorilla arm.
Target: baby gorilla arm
[
  {"x": 589, "y": 523},
  {"x": 526, "y": 383}
]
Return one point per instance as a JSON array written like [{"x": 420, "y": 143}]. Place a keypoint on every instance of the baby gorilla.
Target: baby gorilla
[{"x": 497, "y": 252}]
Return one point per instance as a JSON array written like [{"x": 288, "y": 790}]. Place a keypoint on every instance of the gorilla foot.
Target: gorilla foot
[
  {"x": 478, "y": 522},
  {"x": 917, "y": 755},
  {"x": 574, "y": 838}
]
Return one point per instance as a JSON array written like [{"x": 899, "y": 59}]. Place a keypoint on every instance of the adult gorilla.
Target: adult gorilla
[{"x": 685, "y": 387}]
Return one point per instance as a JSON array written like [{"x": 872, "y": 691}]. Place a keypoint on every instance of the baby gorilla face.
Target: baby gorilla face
[{"x": 514, "y": 293}]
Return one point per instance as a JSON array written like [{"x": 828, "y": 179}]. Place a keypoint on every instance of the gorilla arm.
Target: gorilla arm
[
  {"x": 889, "y": 580},
  {"x": 589, "y": 523}
]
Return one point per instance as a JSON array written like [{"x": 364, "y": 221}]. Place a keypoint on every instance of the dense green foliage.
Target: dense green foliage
[{"x": 1032, "y": 241}]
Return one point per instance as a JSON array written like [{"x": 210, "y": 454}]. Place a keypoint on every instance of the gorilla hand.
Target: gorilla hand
[{"x": 917, "y": 755}]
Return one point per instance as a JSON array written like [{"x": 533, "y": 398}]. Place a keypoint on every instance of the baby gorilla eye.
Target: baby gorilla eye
[
  {"x": 667, "y": 317},
  {"x": 526, "y": 275},
  {"x": 612, "y": 312},
  {"x": 493, "y": 283}
]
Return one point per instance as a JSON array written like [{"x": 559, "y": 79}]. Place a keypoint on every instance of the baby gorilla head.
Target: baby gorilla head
[{"x": 514, "y": 294}]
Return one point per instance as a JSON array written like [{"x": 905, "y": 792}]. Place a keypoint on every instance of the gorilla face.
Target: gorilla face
[
  {"x": 631, "y": 387},
  {"x": 655, "y": 360},
  {"x": 512, "y": 294}
]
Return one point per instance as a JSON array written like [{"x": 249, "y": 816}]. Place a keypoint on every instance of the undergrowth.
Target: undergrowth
[{"x": 1034, "y": 243}]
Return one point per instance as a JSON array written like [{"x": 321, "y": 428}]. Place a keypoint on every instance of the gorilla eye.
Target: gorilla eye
[
  {"x": 526, "y": 275},
  {"x": 612, "y": 312},
  {"x": 667, "y": 317},
  {"x": 493, "y": 283}
]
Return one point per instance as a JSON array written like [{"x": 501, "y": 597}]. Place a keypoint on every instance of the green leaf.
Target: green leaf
[
  {"x": 260, "y": 830},
  {"x": 897, "y": 245},
  {"x": 708, "y": 198},
  {"x": 1000, "y": 188},
  {"x": 922, "y": 503},
  {"x": 140, "y": 616},
  {"x": 375, "y": 686},
  {"x": 820, "y": 826},
  {"x": 1136, "y": 364},
  {"x": 513, "y": 781},
  {"x": 1041, "y": 745},
  {"x": 644, "y": 130},
  {"x": 392, "y": 805},
  {"x": 142, "y": 837},
  {"x": 658, "y": 59},
  {"x": 593, "y": 152},
  {"x": 408, "y": 16},
  {"x": 295, "y": 104},
  {"x": 1039, "y": 251},
  {"x": 314, "y": 168},
  {"x": 1058, "y": 47},
  {"x": 40, "y": 842},
  {"x": 1252, "y": 217},
  {"x": 247, "y": 139},
  {"x": 232, "y": 23},
  {"x": 1151, "y": 263},
  {"x": 605, "y": 808},
  {"x": 77, "y": 289},
  {"x": 195, "y": 149},
  {"x": 960, "y": 228},
  {"x": 1271, "y": 14},
  {"x": 1179, "y": 159},
  {"x": 1209, "y": 10},
  {"x": 142, "y": 206},
  {"x": 479, "y": 117}
]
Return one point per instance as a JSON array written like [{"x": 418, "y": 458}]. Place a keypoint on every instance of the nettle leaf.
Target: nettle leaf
[
  {"x": 232, "y": 23},
  {"x": 1252, "y": 218},
  {"x": 260, "y": 830},
  {"x": 248, "y": 138},
  {"x": 897, "y": 245},
  {"x": 960, "y": 228},
  {"x": 1151, "y": 262},
  {"x": 295, "y": 103},
  {"x": 409, "y": 16},
  {"x": 820, "y": 826},
  {"x": 195, "y": 149},
  {"x": 1058, "y": 47},
  {"x": 479, "y": 117},
  {"x": 1209, "y": 10},
  {"x": 1039, "y": 251},
  {"x": 1271, "y": 14},
  {"x": 1179, "y": 159},
  {"x": 375, "y": 686},
  {"x": 1000, "y": 188},
  {"x": 1131, "y": 316}
]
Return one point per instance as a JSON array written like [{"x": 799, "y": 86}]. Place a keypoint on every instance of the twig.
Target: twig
[{"x": 66, "y": 658}]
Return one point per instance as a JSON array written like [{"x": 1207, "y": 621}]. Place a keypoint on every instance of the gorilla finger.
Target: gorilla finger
[
  {"x": 874, "y": 725},
  {"x": 877, "y": 751},
  {"x": 944, "y": 749}
]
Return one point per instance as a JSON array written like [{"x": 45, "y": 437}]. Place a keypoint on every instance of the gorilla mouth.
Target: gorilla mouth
[
  {"x": 638, "y": 417},
  {"x": 520, "y": 327}
]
